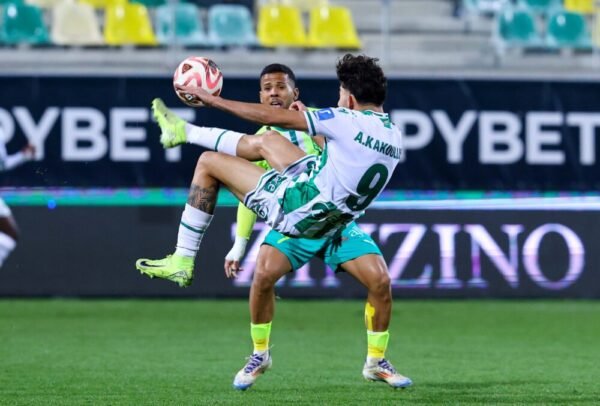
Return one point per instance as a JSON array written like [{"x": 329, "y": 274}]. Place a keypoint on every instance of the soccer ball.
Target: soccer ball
[{"x": 200, "y": 72}]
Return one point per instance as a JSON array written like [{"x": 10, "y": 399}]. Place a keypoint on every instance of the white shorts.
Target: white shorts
[
  {"x": 291, "y": 204},
  {"x": 4, "y": 209}
]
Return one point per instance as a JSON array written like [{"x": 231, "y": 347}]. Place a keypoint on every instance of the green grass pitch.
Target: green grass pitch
[{"x": 186, "y": 352}]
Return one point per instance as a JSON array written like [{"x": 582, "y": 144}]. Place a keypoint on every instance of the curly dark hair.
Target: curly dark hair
[{"x": 363, "y": 77}]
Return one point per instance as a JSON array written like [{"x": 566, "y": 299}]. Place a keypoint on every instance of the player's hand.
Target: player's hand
[
  {"x": 29, "y": 151},
  {"x": 199, "y": 93},
  {"x": 234, "y": 256},
  {"x": 298, "y": 106}
]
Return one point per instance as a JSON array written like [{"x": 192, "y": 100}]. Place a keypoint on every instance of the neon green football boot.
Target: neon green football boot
[
  {"x": 175, "y": 268},
  {"x": 171, "y": 125}
]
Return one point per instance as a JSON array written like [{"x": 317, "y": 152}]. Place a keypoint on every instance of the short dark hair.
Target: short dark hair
[
  {"x": 278, "y": 68},
  {"x": 363, "y": 77}
]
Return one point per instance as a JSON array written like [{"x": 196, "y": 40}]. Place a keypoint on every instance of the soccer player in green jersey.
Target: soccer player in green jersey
[
  {"x": 277, "y": 89},
  {"x": 340, "y": 242}
]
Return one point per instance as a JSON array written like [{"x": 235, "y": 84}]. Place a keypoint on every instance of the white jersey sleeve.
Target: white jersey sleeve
[
  {"x": 8, "y": 162},
  {"x": 327, "y": 122}
]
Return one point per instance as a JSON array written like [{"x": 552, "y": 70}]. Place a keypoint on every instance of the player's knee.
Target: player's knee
[
  {"x": 381, "y": 284},
  {"x": 268, "y": 139},
  {"x": 205, "y": 160},
  {"x": 264, "y": 277}
]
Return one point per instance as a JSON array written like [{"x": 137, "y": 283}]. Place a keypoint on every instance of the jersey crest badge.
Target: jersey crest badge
[{"x": 325, "y": 114}]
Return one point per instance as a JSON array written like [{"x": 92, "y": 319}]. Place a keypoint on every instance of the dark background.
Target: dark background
[
  {"x": 424, "y": 169},
  {"x": 91, "y": 251}
]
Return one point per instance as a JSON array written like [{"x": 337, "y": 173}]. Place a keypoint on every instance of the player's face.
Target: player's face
[
  {"x": 277, "y": 90},
  {"x": 345, "y": 99}
]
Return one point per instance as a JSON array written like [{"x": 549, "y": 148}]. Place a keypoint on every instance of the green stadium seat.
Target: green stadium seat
[
  {"x": 22, "y": 23},
  {"x": 516, "y": 27},
  {"x": 540, "y": 6},
  {"x": 180, "y": 24},
  {"x": 230, "y": 24},
  {"x": 568, "y": 30}
]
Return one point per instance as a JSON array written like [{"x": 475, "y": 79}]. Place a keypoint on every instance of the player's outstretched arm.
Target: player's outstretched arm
[
  {"x": 8, "y": 162},
  {"x": 255, "y": 112}
]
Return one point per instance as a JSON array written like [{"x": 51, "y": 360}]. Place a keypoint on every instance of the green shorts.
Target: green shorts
[{"x": 334, "y": 251}]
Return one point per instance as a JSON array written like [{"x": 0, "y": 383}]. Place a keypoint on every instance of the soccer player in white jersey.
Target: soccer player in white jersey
[
  {"x": 9, "y": 233},
  {"x": 303, "y": 198}
]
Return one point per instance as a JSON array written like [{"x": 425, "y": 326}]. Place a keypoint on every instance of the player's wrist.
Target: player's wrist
[
  {"x": 240, "y": 242},
  {"x": 238, "y": 250}
]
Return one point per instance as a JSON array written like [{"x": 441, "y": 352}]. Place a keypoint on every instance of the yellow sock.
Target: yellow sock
[
  {"x": 260, "y": 336},
  {"x": 377, "y": 342}
]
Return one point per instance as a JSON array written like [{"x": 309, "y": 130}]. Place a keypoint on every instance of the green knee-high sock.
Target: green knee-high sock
[
  {"x": 260, "y": 336},
  {"x": 377, "y": 342}
]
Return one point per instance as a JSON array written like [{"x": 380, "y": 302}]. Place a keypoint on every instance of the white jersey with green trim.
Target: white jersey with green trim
[{"x": 361, "y": 153}]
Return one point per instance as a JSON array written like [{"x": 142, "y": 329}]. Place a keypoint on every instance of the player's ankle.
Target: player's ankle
[
  {"x": 261, "y": 352},
  {"x": 373, "y": 360}
]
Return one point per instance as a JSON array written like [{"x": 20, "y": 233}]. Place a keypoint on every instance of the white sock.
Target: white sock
[
  {"x": 216, "y": 139},
  {"x": 7, "y": 244},
  {"x": 191, "y": 230}
]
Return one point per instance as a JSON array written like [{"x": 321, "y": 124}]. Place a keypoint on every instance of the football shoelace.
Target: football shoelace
[
  {"x": 384, "y": 363},
  {"x": 254, "y": 362}
]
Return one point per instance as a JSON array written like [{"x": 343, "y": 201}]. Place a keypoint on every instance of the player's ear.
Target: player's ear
[
  {"x": 296, "y": 93},
  {"x": 351, "y": 101}
]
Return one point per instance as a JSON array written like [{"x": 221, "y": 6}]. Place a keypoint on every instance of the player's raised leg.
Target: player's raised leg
[
  {"x": 372, "y": 272},
  {"x": 278, "y": 151},
  {"x": 271, "y": 265},
  {"x": 238, "y": 175}
]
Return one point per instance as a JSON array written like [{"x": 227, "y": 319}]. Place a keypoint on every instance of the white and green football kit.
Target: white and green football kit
[
  {"x": 299, "y": 138},
  {"x": 315, "y": 197}
]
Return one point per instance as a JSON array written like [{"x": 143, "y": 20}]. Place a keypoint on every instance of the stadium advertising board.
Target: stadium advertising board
[
  {"x": 430, "y": 253},
  {"x": 459, "y": 134}
]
